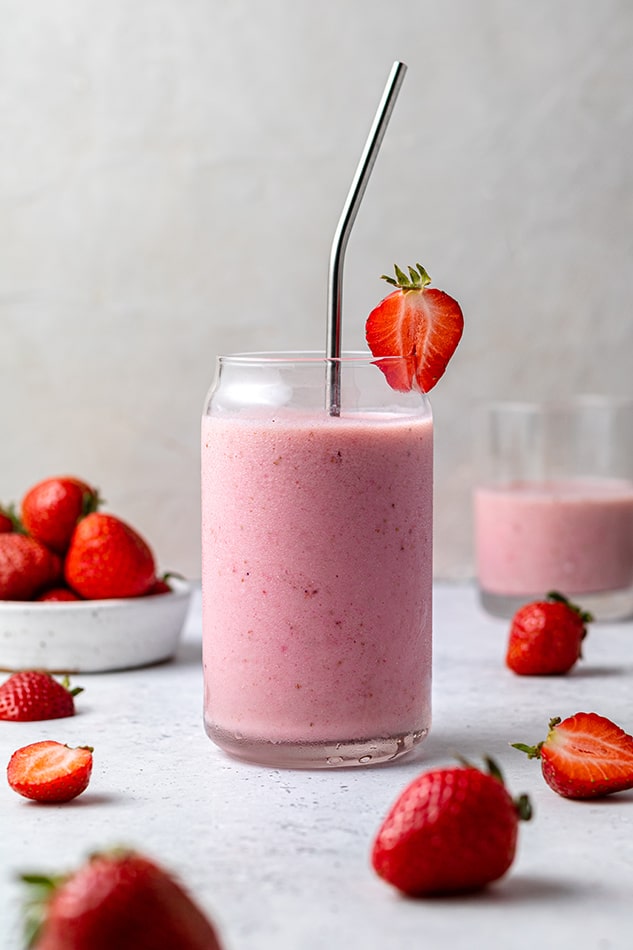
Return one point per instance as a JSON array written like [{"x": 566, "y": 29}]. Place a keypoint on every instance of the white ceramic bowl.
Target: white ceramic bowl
[{"x": 92, "y": 636}]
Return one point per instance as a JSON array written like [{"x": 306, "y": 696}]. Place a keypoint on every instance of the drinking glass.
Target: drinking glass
[
  {"x": 316, "y": 561},
  {"x": 554, "y": 507}
]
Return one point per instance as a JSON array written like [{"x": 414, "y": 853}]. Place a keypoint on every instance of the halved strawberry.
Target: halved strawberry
[
  {"x": 50, "y": 771},
  {"x": 584, "y": 756},
  {"x": 420, "y": 324}
]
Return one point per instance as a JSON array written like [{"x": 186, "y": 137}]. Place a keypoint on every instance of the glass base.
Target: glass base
[
  {"x": 316, "y": 755},
  {"x": 604, "y": 606}
]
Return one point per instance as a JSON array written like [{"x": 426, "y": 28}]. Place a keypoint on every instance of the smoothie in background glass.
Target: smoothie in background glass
[
  {"x": 573, "y": 536},
  {"x": 316, "y": 563},
  {"x": 555, "y": 510}
]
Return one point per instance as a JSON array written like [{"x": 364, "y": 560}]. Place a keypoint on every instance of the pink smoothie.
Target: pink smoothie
[
  {"x": 572, "y": 536},
  {"x": 317, "y": 575}
]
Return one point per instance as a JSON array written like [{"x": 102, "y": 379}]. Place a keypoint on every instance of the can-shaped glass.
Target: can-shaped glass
[
  {"x": 553, "y": 509},
  {"x": 316, "y": 560}
]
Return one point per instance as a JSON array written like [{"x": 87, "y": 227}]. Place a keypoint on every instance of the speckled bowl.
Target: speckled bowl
[{"x": 92, "y": 636}]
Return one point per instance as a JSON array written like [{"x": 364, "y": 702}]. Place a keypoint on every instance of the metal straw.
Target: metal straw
[{"x": 344, "y": 227}]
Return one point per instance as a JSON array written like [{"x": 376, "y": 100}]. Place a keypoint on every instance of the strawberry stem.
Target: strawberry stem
[
  {"x": 40, "y": 890},
  {"x": 532, "y": 751},
  {"x": 493, "y": 769},
  {"x": 75, "y": 691},
  {"x": 523, "y": 807},
  {"x": 417, "y": 280},
  {"x": 91, "y": 502}
]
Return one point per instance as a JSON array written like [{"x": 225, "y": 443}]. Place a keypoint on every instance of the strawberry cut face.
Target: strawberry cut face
[
  {"x": 584, "y": 756},
  {"x": 422, "y": 325},
  {"x": 49, "y": 771},
  {"x": 587, "y": 756}
]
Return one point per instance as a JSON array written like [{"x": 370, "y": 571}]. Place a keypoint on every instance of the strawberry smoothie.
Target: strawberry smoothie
[
  {"x": 575, "y": 536},
  {"x": 317, "y": 574}
]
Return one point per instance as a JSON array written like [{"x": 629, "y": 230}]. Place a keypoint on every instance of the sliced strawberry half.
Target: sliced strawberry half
[
  {"x": 50, "y": 771},
  {"x": 418, "y": 323},
  {"x": 584, "y": 756}
]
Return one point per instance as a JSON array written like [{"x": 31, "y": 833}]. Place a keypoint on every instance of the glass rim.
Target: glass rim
[{"x": 309, "y": 357}]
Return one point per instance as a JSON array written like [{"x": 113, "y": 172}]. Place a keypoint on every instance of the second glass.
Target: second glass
[
  {"x": 317, "y": 562},
  {"x": 554, "y": 507}
]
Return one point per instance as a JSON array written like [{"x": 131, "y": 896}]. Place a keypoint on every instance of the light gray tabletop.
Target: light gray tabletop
[{"x": 279, "y": 859}]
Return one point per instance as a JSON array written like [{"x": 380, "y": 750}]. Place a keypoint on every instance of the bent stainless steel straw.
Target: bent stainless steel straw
[{"x": 344, "y": 227}]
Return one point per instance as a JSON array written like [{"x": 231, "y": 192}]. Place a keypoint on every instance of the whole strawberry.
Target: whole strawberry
[
  {"x": 26, "y": 567},
  {"x": 451, "y": 830},
  {"x": 420, "y": 324},
  {"x": 51, "y": 509},
  {"x": 50, "y": 772},
  {"x": 107, "y": 558},
  {"x": 584, "y": 756},
  {"x": 34, "y": 695},
  {"x": 163, "y": 585},
  {"x": 7, "y": 520},
  {"x": 57, "y": 594},
  {"x": 120, "y": 900},
  {"x": 160, "y": 586},
  {"x": 546, "y": 637}
]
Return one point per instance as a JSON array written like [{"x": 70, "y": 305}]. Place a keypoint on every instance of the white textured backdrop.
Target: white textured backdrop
[{"x": 171, "y": 173}]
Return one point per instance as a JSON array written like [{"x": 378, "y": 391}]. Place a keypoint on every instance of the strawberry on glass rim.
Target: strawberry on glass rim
[{"x": 419, "y": 323}]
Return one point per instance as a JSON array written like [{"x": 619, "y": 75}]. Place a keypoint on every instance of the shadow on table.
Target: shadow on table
[
  {"x": 518, "y": 888},
  {"x": 587, "y": 672}
]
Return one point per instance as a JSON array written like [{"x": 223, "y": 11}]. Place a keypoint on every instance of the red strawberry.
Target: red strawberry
[
  {"x": 49, "y": 771},
  {"x": 451, "y": 830},
  {"x": 52, "y": 508},
  {"x": 26, "y": 567},
  {"x": 546, "y": 636},
  {"x": 58, "y": 594},
  {"x": 421, "y": 324},
  {"x": 7, "y": 520},
  {"x": 33, "y": 695},
  {"x": 584, "y": 756},
  {"x": 120, "y": 900},
  {"x": 107, "y": 558},
  {"x": 160, "y": 586}
]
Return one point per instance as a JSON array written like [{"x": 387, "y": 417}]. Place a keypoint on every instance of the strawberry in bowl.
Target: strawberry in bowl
[{"x": 78, "y": 586}]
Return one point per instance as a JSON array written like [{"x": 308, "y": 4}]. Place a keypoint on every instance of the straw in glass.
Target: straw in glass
[{"x": 344, "y": 227}]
